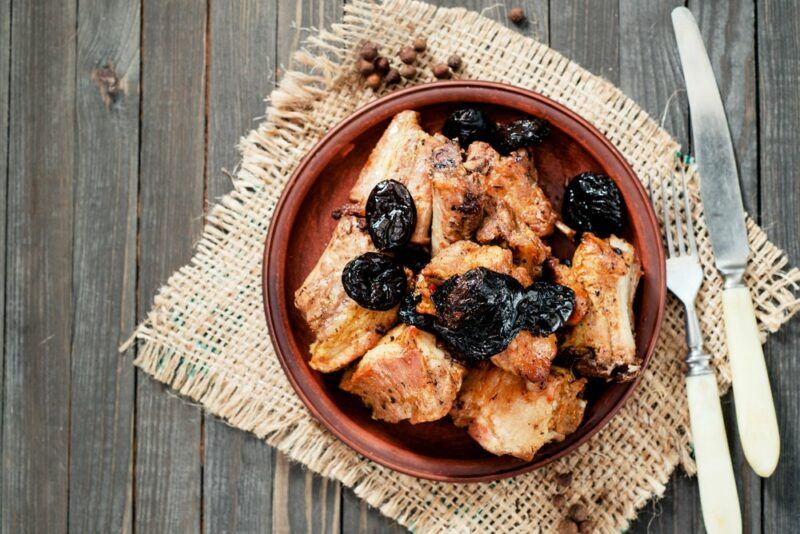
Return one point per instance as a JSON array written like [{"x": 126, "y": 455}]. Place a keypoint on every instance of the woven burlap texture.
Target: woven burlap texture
[{"x": 206, "y": 335}]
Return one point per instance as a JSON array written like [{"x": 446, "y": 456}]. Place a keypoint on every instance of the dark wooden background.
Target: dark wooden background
[{"x": 116, "y": 120}]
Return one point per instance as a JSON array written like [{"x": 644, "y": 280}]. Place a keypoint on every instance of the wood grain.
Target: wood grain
[
  {"x": 779, "y": 116},
  {"x": 39, "y": 282},
  {"x": 238, "y": 467},
  {"x": 303, "y": 501},
  {"x": 168, "y": 431},
  {"x": 104, "y": 263},
  {"x": 5, "y": 53},
  {"x": 587, "y": 32}
]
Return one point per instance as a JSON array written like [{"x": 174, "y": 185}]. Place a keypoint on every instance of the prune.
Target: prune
[
  {"x": 476, "y": 313},
  {"x": 593, "y": 203},
  {"x": 408, "y": 314},
  {"x": 391, "y": 215},
  {"x": 545, "y": 307},
  {"x": 519, "y": 134},
  {"x": 375, "y": 281},
  {"x": 468, "y": 125},
  {"x": 415, "y": 257}
]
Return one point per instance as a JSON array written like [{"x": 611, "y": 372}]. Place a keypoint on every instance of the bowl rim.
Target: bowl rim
[{"x": 273, "y": 285}]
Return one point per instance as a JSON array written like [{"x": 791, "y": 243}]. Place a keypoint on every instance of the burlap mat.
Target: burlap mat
[{"x": 206, "y": 335}]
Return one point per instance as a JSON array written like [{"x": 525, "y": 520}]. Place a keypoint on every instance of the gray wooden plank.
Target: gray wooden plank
[
  {"x": 360, "y": 518},
  {"x": 778, "y": 30},
  {"x": 106, "y": 176},
  {"x": 169, "y": 431},
  {"x": 303, "y": 501},
  {"x": 5, "y": 52},
  {"x": 39, "y": 261},
  {"x": 587, "y": 32},
  {"x": 238, "y": 468},
  {"x": 728, "y": 29}
]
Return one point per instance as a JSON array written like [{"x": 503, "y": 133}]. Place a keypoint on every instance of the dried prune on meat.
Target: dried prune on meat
[
  {"x": 593, "y": 203},
  {"x": 375, "y": 281},
  {"x": 545, "y": 307},
  {"x": 476, "y": 313},
  {"x": 391, "y": 215},
  {"x": 520, "y": 134},
  {"x": 415, "y": 257},
  {"x": 468, "y": 125},
  {"x": 409, "y": 315}
]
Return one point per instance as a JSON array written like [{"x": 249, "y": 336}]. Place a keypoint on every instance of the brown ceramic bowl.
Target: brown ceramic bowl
[{"x": 302, "y": 225}]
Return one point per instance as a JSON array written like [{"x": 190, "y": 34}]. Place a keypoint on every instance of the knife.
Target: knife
[{"x": 724, "y": 215}]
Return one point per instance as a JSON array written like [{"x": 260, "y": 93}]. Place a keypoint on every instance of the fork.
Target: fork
[{"x": 718, "y": 496}]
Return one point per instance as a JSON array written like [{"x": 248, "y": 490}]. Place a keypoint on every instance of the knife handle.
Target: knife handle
[
  {"x": 718, "y": 496},
  {"x": 752, "y": 395}
]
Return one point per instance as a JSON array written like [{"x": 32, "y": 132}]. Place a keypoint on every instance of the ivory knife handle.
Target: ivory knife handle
[
  {"x": 718, "y": 495},
  {"x": 755, "y": 411}
]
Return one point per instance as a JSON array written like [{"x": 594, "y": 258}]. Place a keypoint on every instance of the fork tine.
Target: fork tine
[
  {"x": 678, "y": 218},
  {"x": 667, "y": 219},
  {"x": 689, "y": 223}
]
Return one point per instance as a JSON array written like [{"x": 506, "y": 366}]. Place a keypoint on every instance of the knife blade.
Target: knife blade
[{"x": 725, "y": 219}]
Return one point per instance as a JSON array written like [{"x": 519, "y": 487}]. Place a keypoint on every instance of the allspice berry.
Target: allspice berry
[
  {"x": 420, "y": 44},
  {"x": 392, "y": 76},
  {"x": 568, "y": 526},
  {"x": 365, "y": 67},
  {"x": 373, "y": 81},
  {"x": 454, "y": 62},
  {"x": 516, "y": 15},
  {"x": 441, "y": 71},
  {"x": 559, "y": 500},
  {"x": 407, "y": 55},
  {"x": 381, "y": 65},
  {"x": 408, "y": 72},
  {"x": 369, "y": 51},
  {"x": 564, "y": 479},
  {"x": 578, "y": 512},
  {"x": 586, "y": 527}
]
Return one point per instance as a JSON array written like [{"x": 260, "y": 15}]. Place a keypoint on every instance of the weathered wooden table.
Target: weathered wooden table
[{"x": 116, "y": 118}]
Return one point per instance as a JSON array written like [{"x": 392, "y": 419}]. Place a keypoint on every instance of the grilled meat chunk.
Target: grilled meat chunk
[
  {"x": 457, "y": 197},
  {"x": 602, "y": 343},
  {"x": 564, "y": 275},
  {"x": 343, "y": 329},
  {"x": 403, "y": 154},
  {"x": 507, "y": 414},
  {"x": 406, "y": 376},
  {"x": 459, "y": 258},
  {"x": 516, "y": 209},
  {"x": 528, "y": 356}
]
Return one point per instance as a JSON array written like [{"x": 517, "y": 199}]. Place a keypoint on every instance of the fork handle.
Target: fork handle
[
  {"x": 752, "y": 395},
  {"x": 718, "y": 495}
]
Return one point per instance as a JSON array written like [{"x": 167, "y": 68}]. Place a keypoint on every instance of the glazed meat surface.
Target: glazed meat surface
[
  {"x": 516, "y": 210},
  {"x": 528, "y": 356},
  {"x": 406, "y": 376},
  {"x": 344, "y": 330},
  {"x": 602, "y": 343},
  {"x": 507, "y": 414},
  {"x": 564, "y": 275},
  {"x": 459, "y": 258},
  {"x": 457, "y": 197},
  {"x": 404, "y": 154}
]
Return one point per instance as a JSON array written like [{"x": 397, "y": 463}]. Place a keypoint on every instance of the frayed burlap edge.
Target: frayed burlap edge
[{"x": 206, "y": 336}]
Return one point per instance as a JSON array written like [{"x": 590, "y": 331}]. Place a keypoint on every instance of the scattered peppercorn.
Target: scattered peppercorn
[
  {"x": 382, "y": 65},
  {"x": 408, "y": 55},
  {"x": 454, "y": 62},
  {"x": 578, "y": 512},
  {"x": 586, "y": 527},
  {"x": 393, "y": 76},
  {"x": 420, "y": 44},
  {"x": 516, "y": 15},
  {"x": 564, "y": 479},
  {"x": 408, "y": 71},
  {"x": 441, "y": 71},
  {"x": 365, "y": 67},
  {"x": 373, "y": 81},
  {"x": 369, "y": 51},
  {"x": 559, "y": 500},
  {"x": 567, "y": 526}
]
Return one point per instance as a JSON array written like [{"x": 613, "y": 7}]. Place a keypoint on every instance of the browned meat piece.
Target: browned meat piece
[
  {"x": 457, "y": 197},
  {"x": 343, "y": 329},
  {"x": 406, "y": 376},
  {"x": 528, "y": 356},
  {"x": 566, "y": 277},
  {"x": 459, "y": 258},
  {"x": 516, "y": 210},
  {"x": 603, "y": 343},
  {"x": 403, "y": 154},
  {"x": 507, "y": 414}
]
